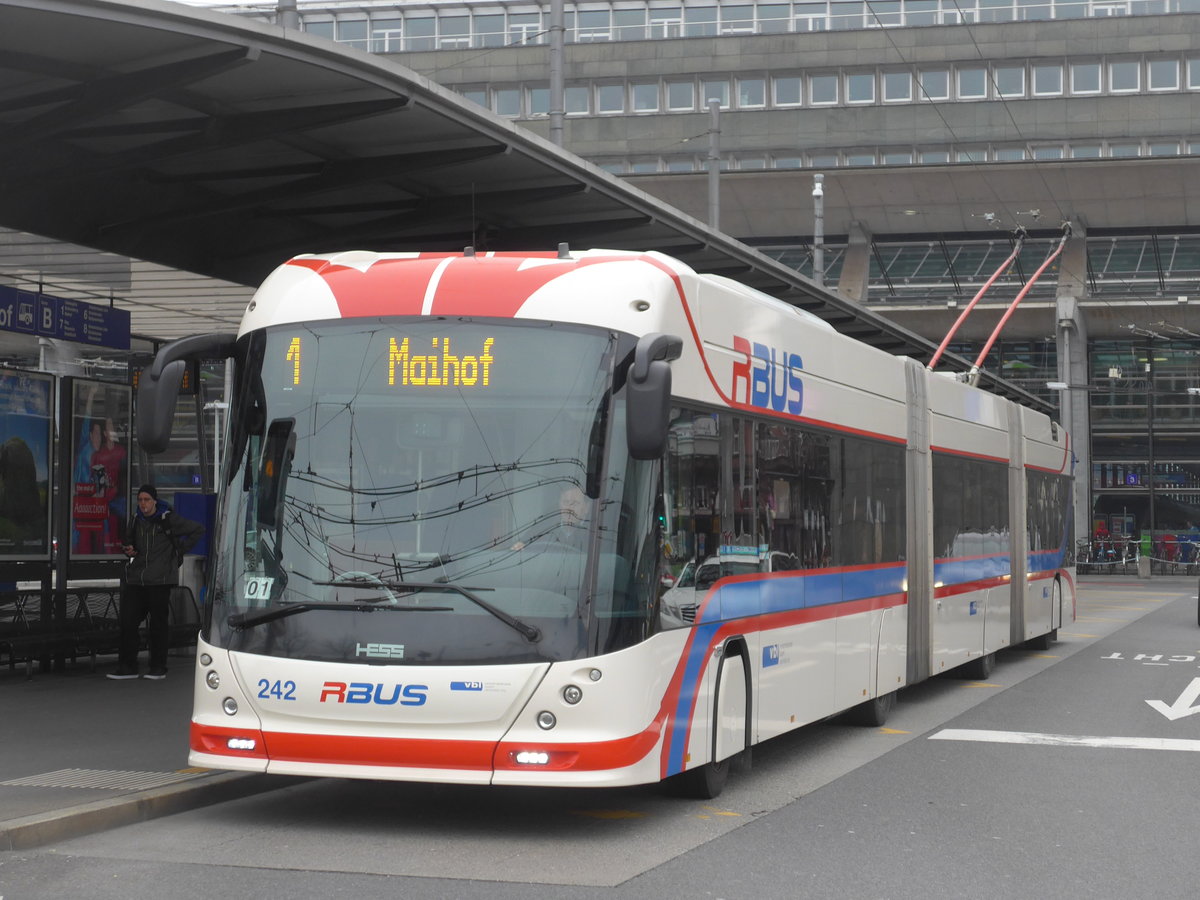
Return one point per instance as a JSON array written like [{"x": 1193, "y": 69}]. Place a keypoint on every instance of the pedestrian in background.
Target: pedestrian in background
[{"x": 158, "y": 539}]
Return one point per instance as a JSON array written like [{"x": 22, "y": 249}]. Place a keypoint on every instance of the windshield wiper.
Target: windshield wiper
[
  {"x": 530, "y": 632},
  {"x": 240, "y": 621}
]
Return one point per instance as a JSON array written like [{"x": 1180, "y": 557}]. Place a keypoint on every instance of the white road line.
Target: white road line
[{"x": 1065, "y": 740}]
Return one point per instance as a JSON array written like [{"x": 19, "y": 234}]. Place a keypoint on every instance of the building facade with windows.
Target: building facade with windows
[{"x": 943, "y": 129}]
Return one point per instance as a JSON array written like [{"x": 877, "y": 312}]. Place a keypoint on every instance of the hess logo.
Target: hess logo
[
  {"x": 769, "y": 378},
  {"x": 366, "y": 692}
]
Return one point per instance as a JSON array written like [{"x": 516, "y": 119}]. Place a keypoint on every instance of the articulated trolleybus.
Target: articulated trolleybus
[{"x": 591, "y": 519}]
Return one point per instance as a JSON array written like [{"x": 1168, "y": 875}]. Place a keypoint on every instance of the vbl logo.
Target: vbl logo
[
  {"x": 772, "y": 379},
  {"x": 364, "y": 692}
]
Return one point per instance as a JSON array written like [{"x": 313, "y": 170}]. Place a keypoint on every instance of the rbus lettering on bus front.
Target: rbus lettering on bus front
[
  {"x": 365, "y": 692},
  {"x": 440, "y": 368},
  {"x": 772, "y": 381}
]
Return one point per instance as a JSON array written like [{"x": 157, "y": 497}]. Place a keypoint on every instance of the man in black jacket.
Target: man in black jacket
[{"x": 158, "y": 538}]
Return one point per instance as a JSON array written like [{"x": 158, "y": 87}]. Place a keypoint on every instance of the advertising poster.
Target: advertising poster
[
  {"x": 100, "y": 417},
  {"x": 26, "y": 441}
]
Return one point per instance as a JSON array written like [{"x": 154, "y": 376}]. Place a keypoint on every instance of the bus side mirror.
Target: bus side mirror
[
  {"x": 158, "y": 385},
  {"x": 156, "y": 398},
  {"x": 648, "y": 395}
]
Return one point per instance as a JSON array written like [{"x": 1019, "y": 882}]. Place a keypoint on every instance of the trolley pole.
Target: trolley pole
[
  {"x": 714, "y": 164},
  {"x": 557, "y": 91}
]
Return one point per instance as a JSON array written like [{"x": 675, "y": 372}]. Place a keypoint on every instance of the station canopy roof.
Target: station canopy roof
[{"x": 221, "y": 146}]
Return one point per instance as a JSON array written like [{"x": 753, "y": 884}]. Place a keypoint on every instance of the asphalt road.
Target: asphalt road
[{"x": 1068, "y": 773}]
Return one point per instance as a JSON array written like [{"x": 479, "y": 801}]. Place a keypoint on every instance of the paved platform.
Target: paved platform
[{"x": 80, "y": 752}]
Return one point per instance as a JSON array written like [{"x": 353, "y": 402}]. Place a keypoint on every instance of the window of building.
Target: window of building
[
  {"x": 643, "y": 167},
  {"x": 752, "y": 93},
  {"x": 935, "y": 84},
  {"x": 810, "y": 16},
  {"x": 1164, "y": 148},
  {"x": 666, "y": 22},
  {"x": 920, "y": 12},
  {"x": 681, "y": 165},
  {"x": 897, "y": 158},
  {"x": 737, "y": 19},
  {"x": 593, "y": 25},
  {"x": 824, "y": 160},
  {"x": 386, "y": 35},
  {"x": 1085, "y": 151},
  {"x": 1124, "y": 150},
  {"x": 506, "y": 101},
  {"x": 846, "y": 14},
  {"x": 489, "y": 31},
  {"x": 700, "y": 21},
  {"x": 715, "y": 90},
  {"x": 577, "y": 100},
  {"x": 525, "y": 28},
  {"x": 1162, "y": 75},
  {"x": 823, "y": 90},
  {"x": 1085, "y": 78},
  {"x": 860, "y": 158},
  {"x": 610, "y": 98},
  {"x": 454, "y": 31},
  {"x": 1053, "y": 151},
  {"x": 752, "y": 162},
  {"x": 1193, "y": 74},
  {"x": 353, "y": 33},
  {"x": 419, "y": 32},
  {"x": 1033, "y": 10},
  {"x": 1009, "y": 154},
  {"x": 934, "y": 157},
  {"x": 773, "y": 18},
  {"x": 786, "y": 90},
  {"x": 538, "y": 100},
  {"x": 477, "y": 96},
  {"x": 1124, "y": 77},
  {"x": 629, "y": 24},
  {"x": 996, "y": 11},
  {"x": 319, "y": 27},
  {"x": 884, "y": 13},
  {"x": 860, "y": 87},
  {"x": 972, "y": 83},
  {"x": 1047, "y": 80},
  {"x": 789, "y": 162},
  {"x": 970, "y": 155},
  {"x": 613, "y": 168},
  {"x": 681, "y": 95},
  {"x": 644, "y": 97},
  {"x": 1009, "y": 80},
  {"x": 897, "y": 87}
]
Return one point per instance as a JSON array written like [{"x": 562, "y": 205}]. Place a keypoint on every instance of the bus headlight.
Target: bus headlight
[
  {"x": 212, "y": 679},
  {"x": 572, "y": 694},
  {"x": 230, "y": 706},
  {"x": 546, "y": 720}
]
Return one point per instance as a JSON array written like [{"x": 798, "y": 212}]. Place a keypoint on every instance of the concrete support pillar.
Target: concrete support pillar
[
  {"x": 856, "y": 265},
  {"x": 1074, "y": 403}
]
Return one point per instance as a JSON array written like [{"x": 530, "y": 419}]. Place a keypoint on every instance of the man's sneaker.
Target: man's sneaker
[
  {"x": 122, "y": 674},
  {"x": 156, "y": 674}
]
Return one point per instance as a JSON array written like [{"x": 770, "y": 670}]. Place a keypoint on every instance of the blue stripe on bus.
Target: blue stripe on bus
[{"x": 748, "y": 597}]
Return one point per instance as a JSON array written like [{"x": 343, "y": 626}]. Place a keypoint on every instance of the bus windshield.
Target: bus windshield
[{"x": 432, "y": 492}]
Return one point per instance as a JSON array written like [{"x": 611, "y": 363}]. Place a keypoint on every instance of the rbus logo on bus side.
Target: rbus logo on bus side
[
  {"x": 367, "y": 692},
  {"x": 772, "y": 378}
]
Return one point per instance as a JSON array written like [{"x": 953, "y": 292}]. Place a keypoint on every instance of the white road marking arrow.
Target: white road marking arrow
[{"x": 1183, "y": 706}]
